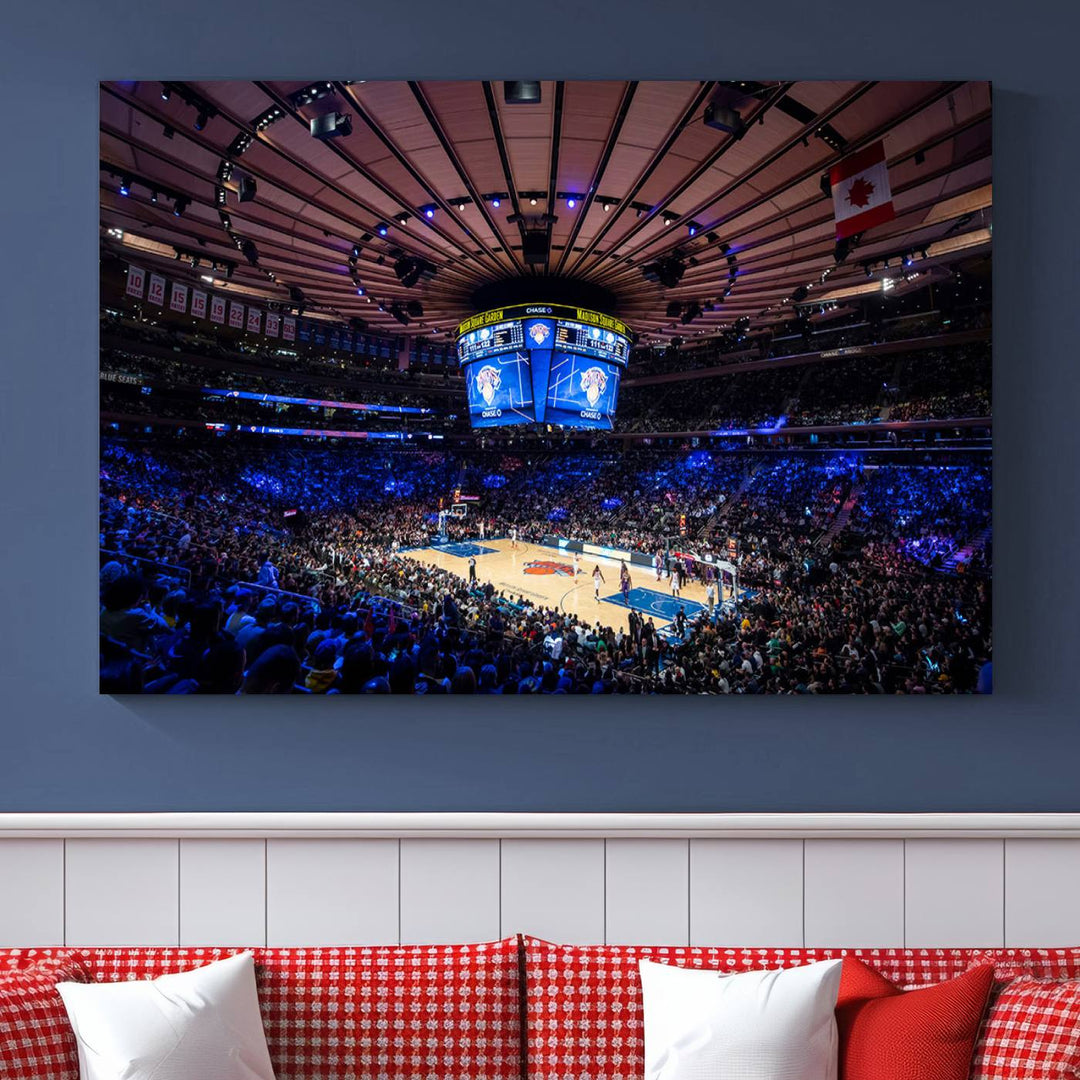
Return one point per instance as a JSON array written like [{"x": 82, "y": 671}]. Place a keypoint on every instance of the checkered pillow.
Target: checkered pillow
[
  {"x": 1032, "y": 1032},
  {"x": 1035, "y": 963},
  {"x": 36, "y": 1039},
  {"x": 585, "y": 1019},
  {"x": 440, "y": 1012}
]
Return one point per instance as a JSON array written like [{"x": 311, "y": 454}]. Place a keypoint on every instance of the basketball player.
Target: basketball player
[
  {"x": 710, "y": 594},
  {"x": 658, "y": 563},
  {"x": 597, "y": 578},
  {"x": 481, "y": 528},
  {"x": 513, "y": 538},
  {"x": 472, "y": 569},
  {"x": 624, "y": 584},
  {"x": 577, "y": 563},
  {"x": 676, "y": 581}
]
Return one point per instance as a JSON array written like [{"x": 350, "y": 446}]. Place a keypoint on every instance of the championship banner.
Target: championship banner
[
  {"x": 254, "y": 320},
  {"x": 272, "y": 322},
  {"x": 335, "y": 338},
  {"x": 236, "y": 315},
  {"x": 178, "y": 299},
  {"x": 860, "y": 191},
  {"x": 346, "y": 340},
  {"x": 217, "y": 309},
  {"x": 288, "y": 328},
  {"x": 198, "y": 303},
  {"x": 136, "y": 281},
  {"x": 157, "y": 290}
]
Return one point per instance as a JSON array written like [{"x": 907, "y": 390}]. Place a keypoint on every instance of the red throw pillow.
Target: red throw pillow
[
  {"x": 36, "y": 1038},
  {"x": 1032, "y": 1032},
  {"x": 891, "y": 1034}
]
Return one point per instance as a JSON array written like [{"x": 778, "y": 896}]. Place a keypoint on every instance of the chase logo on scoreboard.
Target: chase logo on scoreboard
[
  {"x": 594, "y": 382},
  {"x": 545, "y": 566}
]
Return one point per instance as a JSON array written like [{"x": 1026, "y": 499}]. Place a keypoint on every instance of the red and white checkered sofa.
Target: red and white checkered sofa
[{"x": 527, "y": 1009}]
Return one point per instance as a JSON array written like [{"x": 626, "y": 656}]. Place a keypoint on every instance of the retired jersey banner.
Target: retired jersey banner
[
  {"x": 198, "y": 303},
  {"x": 288, "y": 328},
  {"x": 157, "y": 290},
  {"x": 217, "y": 309},
  {"x": 860, "y": 191},
  {"x": 254, "y": 320},
  {"x": 272, "y": 321},
  {"x": 178, "y": 298},
  {"x": 136, "y": 281},
  {"x": 236, "y": 315}
]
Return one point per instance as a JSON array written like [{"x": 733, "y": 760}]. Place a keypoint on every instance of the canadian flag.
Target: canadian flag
[{"x": 860, "y": 191}]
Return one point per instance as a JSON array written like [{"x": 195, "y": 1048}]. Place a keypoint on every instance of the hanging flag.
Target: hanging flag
[
  {"x": 217, "y": 309},
  {"x": 198, "y": 303},
  {"x": 178, "y": 299},
  {"x": 157, "y": 290},
  {"x": 136, "y": 281},
  {"x": 860, "y": 191},
  {"x": 288, "y": 328},
  {"x": 253, "y": 320},
  {"x": 236, "y": 315},
  {"x": 272, "y": 320}
]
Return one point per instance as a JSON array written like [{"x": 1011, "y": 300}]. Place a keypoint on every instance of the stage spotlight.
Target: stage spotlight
[
  {"x": 429, "y": 212},
  {"x": 250, "y": 252},
  {"x": 382, "y": 228},
  {"x": 166, "y": 93},
  {"x": 692, "y": 229},
  {"x": 180, "y": 204},
  {"x": 607, "y": 207},
  {"x": 571, "y": 203},
  {"x": 125, "y": 185},
  {"x": 532, "y": 202},
  {"x": 521, "y": 93},
  {"x": 201, "y": 121},
  {"x": 246, "y": 188},
  {"x": 496, "y": 202},
  {"x": 668, "y": 219},
  {"x": 330, "y": 125},
  {"x": 154, "y": 197},
  {"x": 359, "y": 290},
  {"x": 909, "y": 259},
  {"x": 402, "y": 218},
  {"x": 461, "y": 207},
  {"x": 168, "y": 131}
]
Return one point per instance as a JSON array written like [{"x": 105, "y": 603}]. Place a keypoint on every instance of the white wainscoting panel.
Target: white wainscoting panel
[
  {"x": 449, "y": 891},
  {"x": 332, "y": 892},
  {"x": 758, "y": 880},
  {"x": 222, "y": 892},
  {"x": 647, "y": 892},
  {"x": 854, "y": 892},
  {"x": 1042, "y": 892},
  {"x": 954, "y": 893},
  {"x": 122, "y": 892},
  {"x": 31, "y": 892},
  {"x": 746, "y": 892},
  {"x": 554, "y": 889}
]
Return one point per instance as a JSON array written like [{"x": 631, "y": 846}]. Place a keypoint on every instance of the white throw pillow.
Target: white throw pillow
[
  {"x": 757, "y": 1025},
  {"x": 201, "y": 1024}
]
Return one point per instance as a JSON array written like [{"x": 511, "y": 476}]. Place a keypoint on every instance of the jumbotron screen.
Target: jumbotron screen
[{"x": 543, "y": 363}]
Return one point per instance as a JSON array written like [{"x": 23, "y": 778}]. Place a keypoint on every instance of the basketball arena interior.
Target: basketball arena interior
[{"x": 545, "y": 387}]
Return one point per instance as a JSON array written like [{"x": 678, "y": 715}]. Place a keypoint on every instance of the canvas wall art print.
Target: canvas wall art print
[{"x": 545, "y": 388}]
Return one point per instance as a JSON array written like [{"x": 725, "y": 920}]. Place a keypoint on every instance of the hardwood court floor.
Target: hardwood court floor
[{"x": 546, "y": 576}]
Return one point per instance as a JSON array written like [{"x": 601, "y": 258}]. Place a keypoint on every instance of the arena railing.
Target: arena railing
[{"x": 149, "y": 562}]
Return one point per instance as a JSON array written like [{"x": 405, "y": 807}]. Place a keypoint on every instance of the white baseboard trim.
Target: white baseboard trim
[{"x": 534, "y": 825}]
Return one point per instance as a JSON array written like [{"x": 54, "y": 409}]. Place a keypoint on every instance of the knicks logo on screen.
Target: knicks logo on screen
[
  {"x": 539, "y": 333},
  {"x": 543, "y": 566},
  {"x": 594, "y": 383},
  {"x": 488, "y": 380}
]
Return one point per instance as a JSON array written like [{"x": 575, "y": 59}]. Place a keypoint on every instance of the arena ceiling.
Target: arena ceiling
[{"x": 615, "y": 175}]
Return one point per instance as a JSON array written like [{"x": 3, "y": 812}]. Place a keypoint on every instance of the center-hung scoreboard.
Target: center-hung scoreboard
[{"x": 543, "y": 364}]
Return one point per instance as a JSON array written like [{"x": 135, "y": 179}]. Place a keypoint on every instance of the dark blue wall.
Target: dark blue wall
[{"x": 64, "y": 748}]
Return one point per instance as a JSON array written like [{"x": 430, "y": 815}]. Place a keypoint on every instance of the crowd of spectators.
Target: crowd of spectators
[{"x": 247, "y": 567}]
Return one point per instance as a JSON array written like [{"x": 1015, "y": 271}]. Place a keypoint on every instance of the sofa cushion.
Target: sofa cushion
[
  {"x": 354, "y": 1013},
  {"x": 1033, "y": 963},
  {"x": 584, "y": 1001},
  {"x": 1031, "y": 1032},
  {"x": 927, "y": 1033},
  {"x": 36, "y": 1039}
]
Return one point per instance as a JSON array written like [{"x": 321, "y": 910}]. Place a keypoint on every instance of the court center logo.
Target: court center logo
[
  {"x": 594, "y": 383},
  {"x": 546, "y": 566},
  {"x": 488, "y": 380}
]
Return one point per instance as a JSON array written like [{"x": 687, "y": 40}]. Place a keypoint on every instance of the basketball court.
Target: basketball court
[{"x": 546, "y": 576}]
